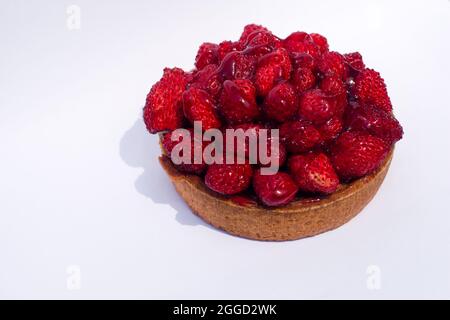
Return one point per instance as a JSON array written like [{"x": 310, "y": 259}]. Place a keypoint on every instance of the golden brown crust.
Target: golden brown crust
[{"x": 299, "y": 219}]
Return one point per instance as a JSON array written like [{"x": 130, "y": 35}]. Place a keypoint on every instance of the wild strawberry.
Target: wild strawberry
[
  {"x": 301, "y": 42},
  {"x": 163, "y": 110},
  {"x": 260, "y": 43},
  {"x": 355, "y": 62},
  {"x": 208, "y": 79},
  {"x": 207, "y": 54},
  {"x": 295, "y": 38},
  {"x": 313, "y": 172},
  {"x": 302, "y": 60},
  {"x": 320, "y": 41},
  {"x": 331, "y": 129},
  {"x": 355, "y": 154},
  {"x": 250, "y": 29},
  {"x": 170, "y": 140},
  {"x": 334, "y": 87},
  {"x": 225, "y": 48},
  {"x": 274, "y": 190},
  {"x": 299, "y": 136},
  {"x": 279, "y": 57},
  {"x": 236, "y": 65},
  {"x": 281, "y": 103},
  {"x": 333, "y": 63},
  {"x": 370, "y": 89},
  {"x": 198, "y": 106},
  {"x": 375, "y": 121},
  {"x": 266, "y": 78},
  {"x": 238, "y": 101},
  {"x": 228, "y": 179},
  {"x": 303, "y": 79},
  {"x": 190, "y": 75},
  {"x": 316, "y": 107},
  {"x": 271, "y": 69},
  {"x": 198, "y": 78}
]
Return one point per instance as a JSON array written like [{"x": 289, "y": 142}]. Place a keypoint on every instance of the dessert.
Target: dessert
[{"x": 318, "y": 134}]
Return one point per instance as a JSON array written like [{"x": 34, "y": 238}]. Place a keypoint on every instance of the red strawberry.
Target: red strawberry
[
  {"x": 198, "y": 78},
  {"x": 370, "y": 89},
  {"x": 274, "y": 190},
  {"x": 301, "y": 42},
  {"x": 295, "y": 38},
  {"x": 355, "y": 61},
  {"x": 225, "y": 48},
  {"x": 375, "y": 121},
  {"x": 299, "y": 136},
  {"x": 333, "y": 86},
  {"x": 320, "y": 41},
  {"x": 208, "y": 79},
  {"x": 238, "y": 101},
  {"x": 198, "y": 106},
  {"x": 207, "y": 54},
  {"x": 314, "y": 173},
  {"x": 272, "y": 68},
  {"x": 236, "y": 65},
  {"x": 333, "y": 63},
  {"x": 191, "y": 166},
  {"x": 316, "y": 107},
  {"x": 260, "y": 43},
  {"x": 330, "y": 129},
  {"x": 228, "y": 179},
  {"x": 303, "y": 79},
  {"x": 281, "y": 103},
  {"x": 279, "y": 57},
  {"x": 356, "y": 154},
  {"x": 162, "y": 109},
  {"x": 302, "y": 60},
  {"x": 266, "y": 78},
  {"x": 250, "y": 29}
]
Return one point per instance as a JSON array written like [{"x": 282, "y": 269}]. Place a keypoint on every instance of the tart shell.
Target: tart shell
[{"x": 299, "y": 219}]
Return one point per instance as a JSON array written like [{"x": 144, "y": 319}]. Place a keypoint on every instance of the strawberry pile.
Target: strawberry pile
[{"x": 334, "y": 115}]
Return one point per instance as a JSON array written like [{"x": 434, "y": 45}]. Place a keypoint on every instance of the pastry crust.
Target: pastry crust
[{"x": 299, "y": 219}]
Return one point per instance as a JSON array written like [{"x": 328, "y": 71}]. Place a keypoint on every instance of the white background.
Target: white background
[{"x": 80, "y": 184}]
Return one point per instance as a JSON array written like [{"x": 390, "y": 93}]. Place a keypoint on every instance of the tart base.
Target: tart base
[{"x": 299, "y": 219}]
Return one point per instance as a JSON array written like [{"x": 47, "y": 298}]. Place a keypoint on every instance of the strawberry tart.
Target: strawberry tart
[{"x": 325, "y": 118}]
